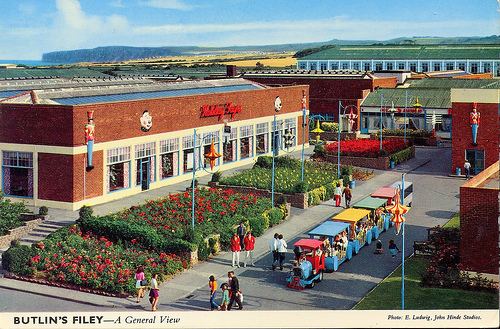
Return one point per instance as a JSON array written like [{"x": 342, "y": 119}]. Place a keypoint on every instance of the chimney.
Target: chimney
[
  {"x": 34, "y": 97},
  {"x": 231, "y": 70}
]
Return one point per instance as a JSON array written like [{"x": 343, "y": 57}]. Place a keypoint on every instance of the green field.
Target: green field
[{"x": 387, "y": 295}]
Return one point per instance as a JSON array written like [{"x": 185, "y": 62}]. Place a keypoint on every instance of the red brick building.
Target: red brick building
[
  {"x": 479, "y": 250},
  {"x": 144, "y": 136},
  {"x": 486, "y": 151},
  {"x": 327, "y": 88}
]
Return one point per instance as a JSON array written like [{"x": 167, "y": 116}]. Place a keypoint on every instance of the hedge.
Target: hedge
[
  {"x": 402, "y": 156},
  {"x": 9, "y": 214},
  {"x": 16, "y": 258}
]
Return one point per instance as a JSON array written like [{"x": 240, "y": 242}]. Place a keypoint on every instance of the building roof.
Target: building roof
[
  {"x": 448, "y": 83},
  {"x": 407, "y": 52},
  {"x": 351, "y": 215},
  {"x": 50, "y": 73},
  {"x": 429, "y": 98},
  {"x": 292, "y": 73},
  {"x": 370, "y": 203},
  {"x": 328, "y": 228},
  {"x": 122, "y": 93}
]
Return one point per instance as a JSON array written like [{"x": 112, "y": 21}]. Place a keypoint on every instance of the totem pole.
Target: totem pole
[{"x": 474, "y": 122}]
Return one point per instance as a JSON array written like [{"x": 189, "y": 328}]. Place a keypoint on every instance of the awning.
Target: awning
[
  {"x": 370, "y": 203},
  {"x": 351, "y": 215}
]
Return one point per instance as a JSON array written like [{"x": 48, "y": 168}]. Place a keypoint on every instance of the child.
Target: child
[
  {"x": 380, "y": 249},
  {"x": 225, "y": 297},
  {"x": 393, "y": 249}
]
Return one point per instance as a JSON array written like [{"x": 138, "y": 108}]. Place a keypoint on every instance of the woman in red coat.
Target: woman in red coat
[
  {"x": 236, "y": 248},
  {"x": 249, "y": 242}
]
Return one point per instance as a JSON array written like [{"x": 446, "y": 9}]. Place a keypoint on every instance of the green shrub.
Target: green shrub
[
  {"x": 216, "y": 176},
  {"x": 9, "y": 214},
  {"x": 330, "y": 126},
  {"x": 274, "y": 215},
  {"x": 319, "y": 150},
  {"x": 402, "y": 156},
  {"x": 301, "y": 187},
  {"x": 16, "y": 258},
  {"x": 264, "y": 162},
  {"x": 203, "y": 251},
  {"x": 317, "y": 195},
  {"x": 347, "y": 170},
  {"x": 345, "y": 180},
  {"x": 258, "y": 224},
  {"x": 43, "y": 211},
  {"x": 85, "y": 212}
]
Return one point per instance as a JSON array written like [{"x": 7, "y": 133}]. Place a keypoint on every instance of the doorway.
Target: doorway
[
  {"x": 476, "y": 159},
  {"x": 144, "y": 174}
]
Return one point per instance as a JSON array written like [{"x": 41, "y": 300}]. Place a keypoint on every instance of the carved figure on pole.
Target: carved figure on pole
[
  {"x": 474, "y": 122},
  {"x": 89, "y": 138},
  {"x": 352, "y": 120}
]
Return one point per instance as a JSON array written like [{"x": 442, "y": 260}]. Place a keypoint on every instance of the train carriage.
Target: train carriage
[
  {"x": 378, "y": 214},
  {"x": 336, "y": 251},
  {"x": 309, "y": 264},
  {"x": 360, "y": 226}
]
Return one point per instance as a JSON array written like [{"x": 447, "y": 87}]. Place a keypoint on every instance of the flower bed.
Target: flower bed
[
  {"x": 368, "y": 148},
  {"x": 72, "y": 257},
  {"x": 287, "y": 175}
]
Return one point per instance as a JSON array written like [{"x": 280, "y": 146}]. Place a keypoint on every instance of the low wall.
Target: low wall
[
  {"x": 19, "y": 232},
  {"x": 421, "y": 141},
  {"x": 333, "y": 136},
  {"x": 297, "y": 200},
  {"x": 381, "y": 163}
]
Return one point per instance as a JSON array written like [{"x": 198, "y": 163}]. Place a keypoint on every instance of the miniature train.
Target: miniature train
[{"x": 337, "y": 240}]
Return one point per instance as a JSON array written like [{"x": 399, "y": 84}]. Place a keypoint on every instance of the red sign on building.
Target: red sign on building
[{"x": 219, "y": 110}]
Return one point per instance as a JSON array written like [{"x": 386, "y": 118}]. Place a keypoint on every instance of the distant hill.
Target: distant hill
[{"x": 122, "y": 53}]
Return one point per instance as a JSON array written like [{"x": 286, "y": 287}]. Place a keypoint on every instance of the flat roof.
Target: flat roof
[
  {"x": 309, "y": 243},
  {"x": 384, "y": 192},
  {"x": 351, "y": 215},
  {"x": 448, "y": 83},
  {"x": 429, "y": 98},
  {"x": 407, "y": 52},
  {"x": 43, "y": 73},
  {"x": 328, "y": 228},
  {"x": 299, "y": 73},
  {"x": 370, "y": 203}
]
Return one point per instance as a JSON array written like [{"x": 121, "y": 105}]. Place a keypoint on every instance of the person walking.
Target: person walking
[
  {"x": 467, "y": 168},
  {"x": 249, "y": 242},
  {"x": 273, "y": 248},
  {"x": 236, "y": 248},
  {"x": 225, "y": 297},
  {"x": 139, "y": 277},
  {"x": 393, "y": 249},
  {"x": 212, "y": 284},
  {"x": 241, "y": 231},
  {"x": 379, "y": 249},
  {"x": 348, "y": 196},
  {"x": 235, "y": 291},
  {"x": 154, "y": 293},
  {"x": 281, "y": 250},
  {"x": 338, "y": 195}
]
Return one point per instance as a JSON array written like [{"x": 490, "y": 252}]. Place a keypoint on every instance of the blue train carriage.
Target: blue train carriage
[
  {"x": 360, "y": 226},
  {"x": 308, "y": 265},
  {"x": 378, "y": 215},
  {"x": 408, "y": 191},
  {"x": 336, "y": 245}
]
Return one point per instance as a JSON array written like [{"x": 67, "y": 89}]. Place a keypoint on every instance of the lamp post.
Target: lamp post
[
  {"x": 338, "y": 142},
  {"x": 393, "y": 110},
  {"x": 303, "y": 135},
  {"x": 418, "y": 106},
  {"x": 274, "y": 153}
]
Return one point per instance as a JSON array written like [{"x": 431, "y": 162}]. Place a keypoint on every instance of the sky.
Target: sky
[{"x": 29, "y": 28}]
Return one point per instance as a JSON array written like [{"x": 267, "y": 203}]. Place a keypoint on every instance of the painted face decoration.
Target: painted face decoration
[
  {"x": 146, "y": 121},
  {"x": 277, "y": 104}
]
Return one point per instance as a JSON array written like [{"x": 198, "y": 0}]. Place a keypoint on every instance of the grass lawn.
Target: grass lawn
[
  {"x": 454, "y": 222},
  {"x": 387, "y": 295}
]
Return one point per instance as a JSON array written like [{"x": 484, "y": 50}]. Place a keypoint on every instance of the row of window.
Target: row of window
[
  {"x": 17, "y": 167},
  {"x": 474, "y": 67}
]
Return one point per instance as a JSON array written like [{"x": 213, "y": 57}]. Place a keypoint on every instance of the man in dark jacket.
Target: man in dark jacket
[
  {"x": 241, "y": 231},
  {"x": 235, "y": 291}
]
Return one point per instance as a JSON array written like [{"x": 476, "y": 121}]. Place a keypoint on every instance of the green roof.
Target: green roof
[
  {"x": 50, "y": 73},
  {"x": 405, "y": 52},
  {"x": 370, "y": 203},
  {"x": 444, "y": 83},
  {"x": 429, "y": 98}
]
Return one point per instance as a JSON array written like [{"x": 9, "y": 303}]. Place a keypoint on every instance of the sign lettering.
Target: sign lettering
[
  {"x": 219, "y": 110},
  {"x": 402, "y": 110}
]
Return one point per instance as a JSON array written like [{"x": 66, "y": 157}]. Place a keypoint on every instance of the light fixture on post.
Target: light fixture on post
[
  {"x": 381, "y": 125},
  {"x": 393, "y": 110},
  {"x": 397, "y": 211},
  {"x": 317, "y": 130},
  {"x": 304, "y": 125}
]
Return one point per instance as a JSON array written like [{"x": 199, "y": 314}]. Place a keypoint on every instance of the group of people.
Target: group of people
[
  {"x": 346, "y": 193},
  {"x": 278, "y": 246},
  {"x": 231, "y": 293},
  {"x": 141, "y": 284},
  {"x": 242, "y": 241},
  {"x": 393, "y": 248}
]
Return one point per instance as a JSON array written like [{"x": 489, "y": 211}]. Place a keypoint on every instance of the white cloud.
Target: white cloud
[{"x": 167, "y": 4}]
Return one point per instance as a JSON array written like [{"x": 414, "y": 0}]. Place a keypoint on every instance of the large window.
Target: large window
[
  {"x": 312, "y": 66},
  {"x": 367, "y": 66},
  {"x": 302, "y": 66},
  {"x": 378, "y": 66},
  {"x": 390, "y": 66},
  {"x": 334, "y": 66},
  {"x": 118, "y": 168},
  {"x": 323, "y": 66},
  {"x": 486, "y": 67},
  {"x": 355, "y": 66},
  {"x": 169, "y": 158},
  {"x": 450, "y": 66},
  {"x": 230, "y": 148},
  {"x": 262, "y": 132},
  {"x": 345, "y": 66},
  {"x": 413, "y": 67},
  {"x": 291, "y": 127},
  {"x": 246, "y": 142},
  {"x": 17, "y": 170},
  {"x": 425, "y": 67},
  {"x": 145, "y": 155},
  {"x": 191, "y": 158},
  {"x": 437, "y": 66},
  {"x": 401, "y": 66},
  {"x": 461, "y": 66},
  {"x": 474, "y": 67}
]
